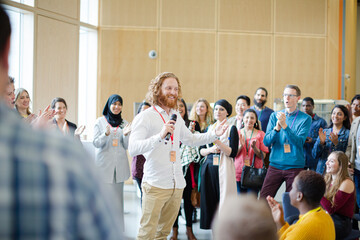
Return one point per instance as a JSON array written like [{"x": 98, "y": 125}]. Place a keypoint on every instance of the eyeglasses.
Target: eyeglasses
[{"x": 289, "y": 95}]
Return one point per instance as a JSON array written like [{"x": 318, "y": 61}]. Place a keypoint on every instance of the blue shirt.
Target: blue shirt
[
  {"x": 49, "y": 188},
  {"x": 317, "y": 123},
  {"x": 263, "y": 116},
  {"x": 295, "y": 136},
  {"x": 321, "y": 152}
]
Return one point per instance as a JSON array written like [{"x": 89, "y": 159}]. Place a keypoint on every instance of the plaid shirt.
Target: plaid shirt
[{"x": 48, "y": 187}]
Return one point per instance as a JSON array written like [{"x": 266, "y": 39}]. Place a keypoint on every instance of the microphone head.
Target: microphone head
[{"x": 173, "y": 117}]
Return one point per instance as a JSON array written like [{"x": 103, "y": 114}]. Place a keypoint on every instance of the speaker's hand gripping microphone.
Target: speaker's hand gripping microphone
[{"x": 173, "y": 117}]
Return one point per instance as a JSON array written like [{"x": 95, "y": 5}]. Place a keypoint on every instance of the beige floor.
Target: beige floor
[{"x": 133, "y": 213}]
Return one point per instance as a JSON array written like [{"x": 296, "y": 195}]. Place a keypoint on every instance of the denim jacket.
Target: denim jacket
[
  {"x": 321, "y": 152},
  {"x": 317, "y": 123}
]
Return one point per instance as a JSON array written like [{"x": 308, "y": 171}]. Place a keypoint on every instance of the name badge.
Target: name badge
[
  {"x": 247, "y": 160},
  {"x": 216, "y": 159},
  {"x": 287, "y": 148},
  {"x": 172, "y": 156},
  {"x": 115, "y": 142}
]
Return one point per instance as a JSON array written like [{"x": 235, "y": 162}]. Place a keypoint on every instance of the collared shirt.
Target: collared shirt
[
  {"x": 49, "y": 188},
  {"x": 288, "y": 114},
  {"x": 145, "y": 139}
]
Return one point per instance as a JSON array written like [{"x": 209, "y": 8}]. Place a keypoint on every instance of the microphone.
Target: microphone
[{"x": 173, "y": 117}]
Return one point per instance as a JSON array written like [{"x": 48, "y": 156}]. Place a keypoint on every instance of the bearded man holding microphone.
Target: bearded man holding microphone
[{"x": 163, "y": 181}]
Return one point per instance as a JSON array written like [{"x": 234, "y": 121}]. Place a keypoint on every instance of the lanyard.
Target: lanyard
[
  {"x": 311, "y": 211},
  {"x": 112, "y": 126},
  {"x": 172, "y": 136},
  {"x": 246, "y": 145},
  {"x": 294, "y": 119}
]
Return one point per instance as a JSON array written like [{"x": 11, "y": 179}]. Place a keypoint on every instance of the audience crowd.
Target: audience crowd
[{"x": 179, "y": 154}]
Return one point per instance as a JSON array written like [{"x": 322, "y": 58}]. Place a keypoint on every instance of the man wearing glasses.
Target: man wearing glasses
[{"x": 286, "y": 133}]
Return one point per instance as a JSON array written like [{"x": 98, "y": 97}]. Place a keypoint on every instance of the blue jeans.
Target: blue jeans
[{"x": 357, "y": 185}]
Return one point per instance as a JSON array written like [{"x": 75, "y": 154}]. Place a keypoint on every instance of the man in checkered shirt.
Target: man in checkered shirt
[{"x": 48, "y": 188}]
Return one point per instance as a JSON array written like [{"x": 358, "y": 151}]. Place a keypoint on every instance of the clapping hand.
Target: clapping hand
[
  {"x": 79, "y": 130},
  {"x": 281, "y": 117},
  {"x": 334, "y": 138},
  {"x": 322, "y": 136},
  {"x": 127, "y": 129},
  {"x": 277, "y": 212},
  {"x": 107, "y": 132}
]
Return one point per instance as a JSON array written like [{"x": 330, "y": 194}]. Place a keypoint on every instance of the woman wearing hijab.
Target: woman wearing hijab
[
  {"x": 110, "y": 148},
  {"x": 218, "y": 179}
]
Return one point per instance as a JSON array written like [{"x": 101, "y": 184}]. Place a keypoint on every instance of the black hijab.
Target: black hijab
[
  {"x": 113, "y": 120},
  {"x": 225, "y": 104}
]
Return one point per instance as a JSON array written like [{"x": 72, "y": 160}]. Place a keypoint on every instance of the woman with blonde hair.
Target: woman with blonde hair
[
  {"x": 202, "y": 113},
  {"x": 22, "y": 103},
  {"x": 339, "y": 198}
]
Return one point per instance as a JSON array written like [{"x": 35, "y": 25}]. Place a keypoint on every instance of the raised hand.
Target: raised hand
[
  {"x": 107, "y": 132},
  {"x": 79, "y": 130},
  {"x": 221, "y": 128},
  {"x": 127, "y": 129},
  {"x": 281, "y": 117},
  {"x": 334, "y": 138},
  {"x": 277, "y": 212},
  {"x": 322, "y": 136}
]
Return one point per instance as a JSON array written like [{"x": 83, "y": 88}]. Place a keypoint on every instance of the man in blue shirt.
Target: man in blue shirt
[
  {"x": 261, "y": 110},
  {"x": 48, "y": 187},
  {"x": 316, "y": 124},
  {"x": 286, "y": 133}
]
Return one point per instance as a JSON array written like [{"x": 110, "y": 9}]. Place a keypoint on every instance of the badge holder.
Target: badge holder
[
  {"x": 216, "y": 159},
  {"x": 287, "y": 148}
]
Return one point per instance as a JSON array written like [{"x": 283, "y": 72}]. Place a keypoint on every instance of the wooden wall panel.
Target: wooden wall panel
[
  {"x": 125, "y": 67},
  {"x": 68, "y": 8},
  {"x": 199, "y": 14},
  {"x": 331, "y": 83},
  {"x": 56, "y": 64},
  {"x": 300, "y": 61},
  {"x": 350, "y": 46},
  {"x": 244, "y": 65},
  {"x": 304, "y": 16},
  {"x": 191, "y": 57},
  {"x": 246, "y": 15},
  {"x": 140, "y": 13}
]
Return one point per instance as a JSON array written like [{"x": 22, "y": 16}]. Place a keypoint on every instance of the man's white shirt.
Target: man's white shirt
[{"x": 145, "y": 139}]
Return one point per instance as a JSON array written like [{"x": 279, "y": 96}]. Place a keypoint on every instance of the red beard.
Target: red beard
[{"x": 164, "y": 100}]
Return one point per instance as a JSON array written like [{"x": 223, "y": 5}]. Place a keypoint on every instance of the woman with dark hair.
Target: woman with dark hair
[
  {"x": 218, "y": 171},
  {"x": 307, "y": 190},
  {"x": 251, "y": 142},
  {"x": 66, "y": 127},
  {"x": 334, "y": 138},
  {"x": 110, "y": 148},
  {"x": 242, "y": 104},
  {"x": 189, "y": 156},
  {"x": 339, "y": 198},
  {"x": 137, "y": 164}
]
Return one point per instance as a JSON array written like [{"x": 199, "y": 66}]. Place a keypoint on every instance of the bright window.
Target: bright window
[
  {"x": 26, "y": 2},
  {"x": 21, "y": 48},
  {"x": 89, "y": 11},
  {"x": 87, "y": 80}
]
